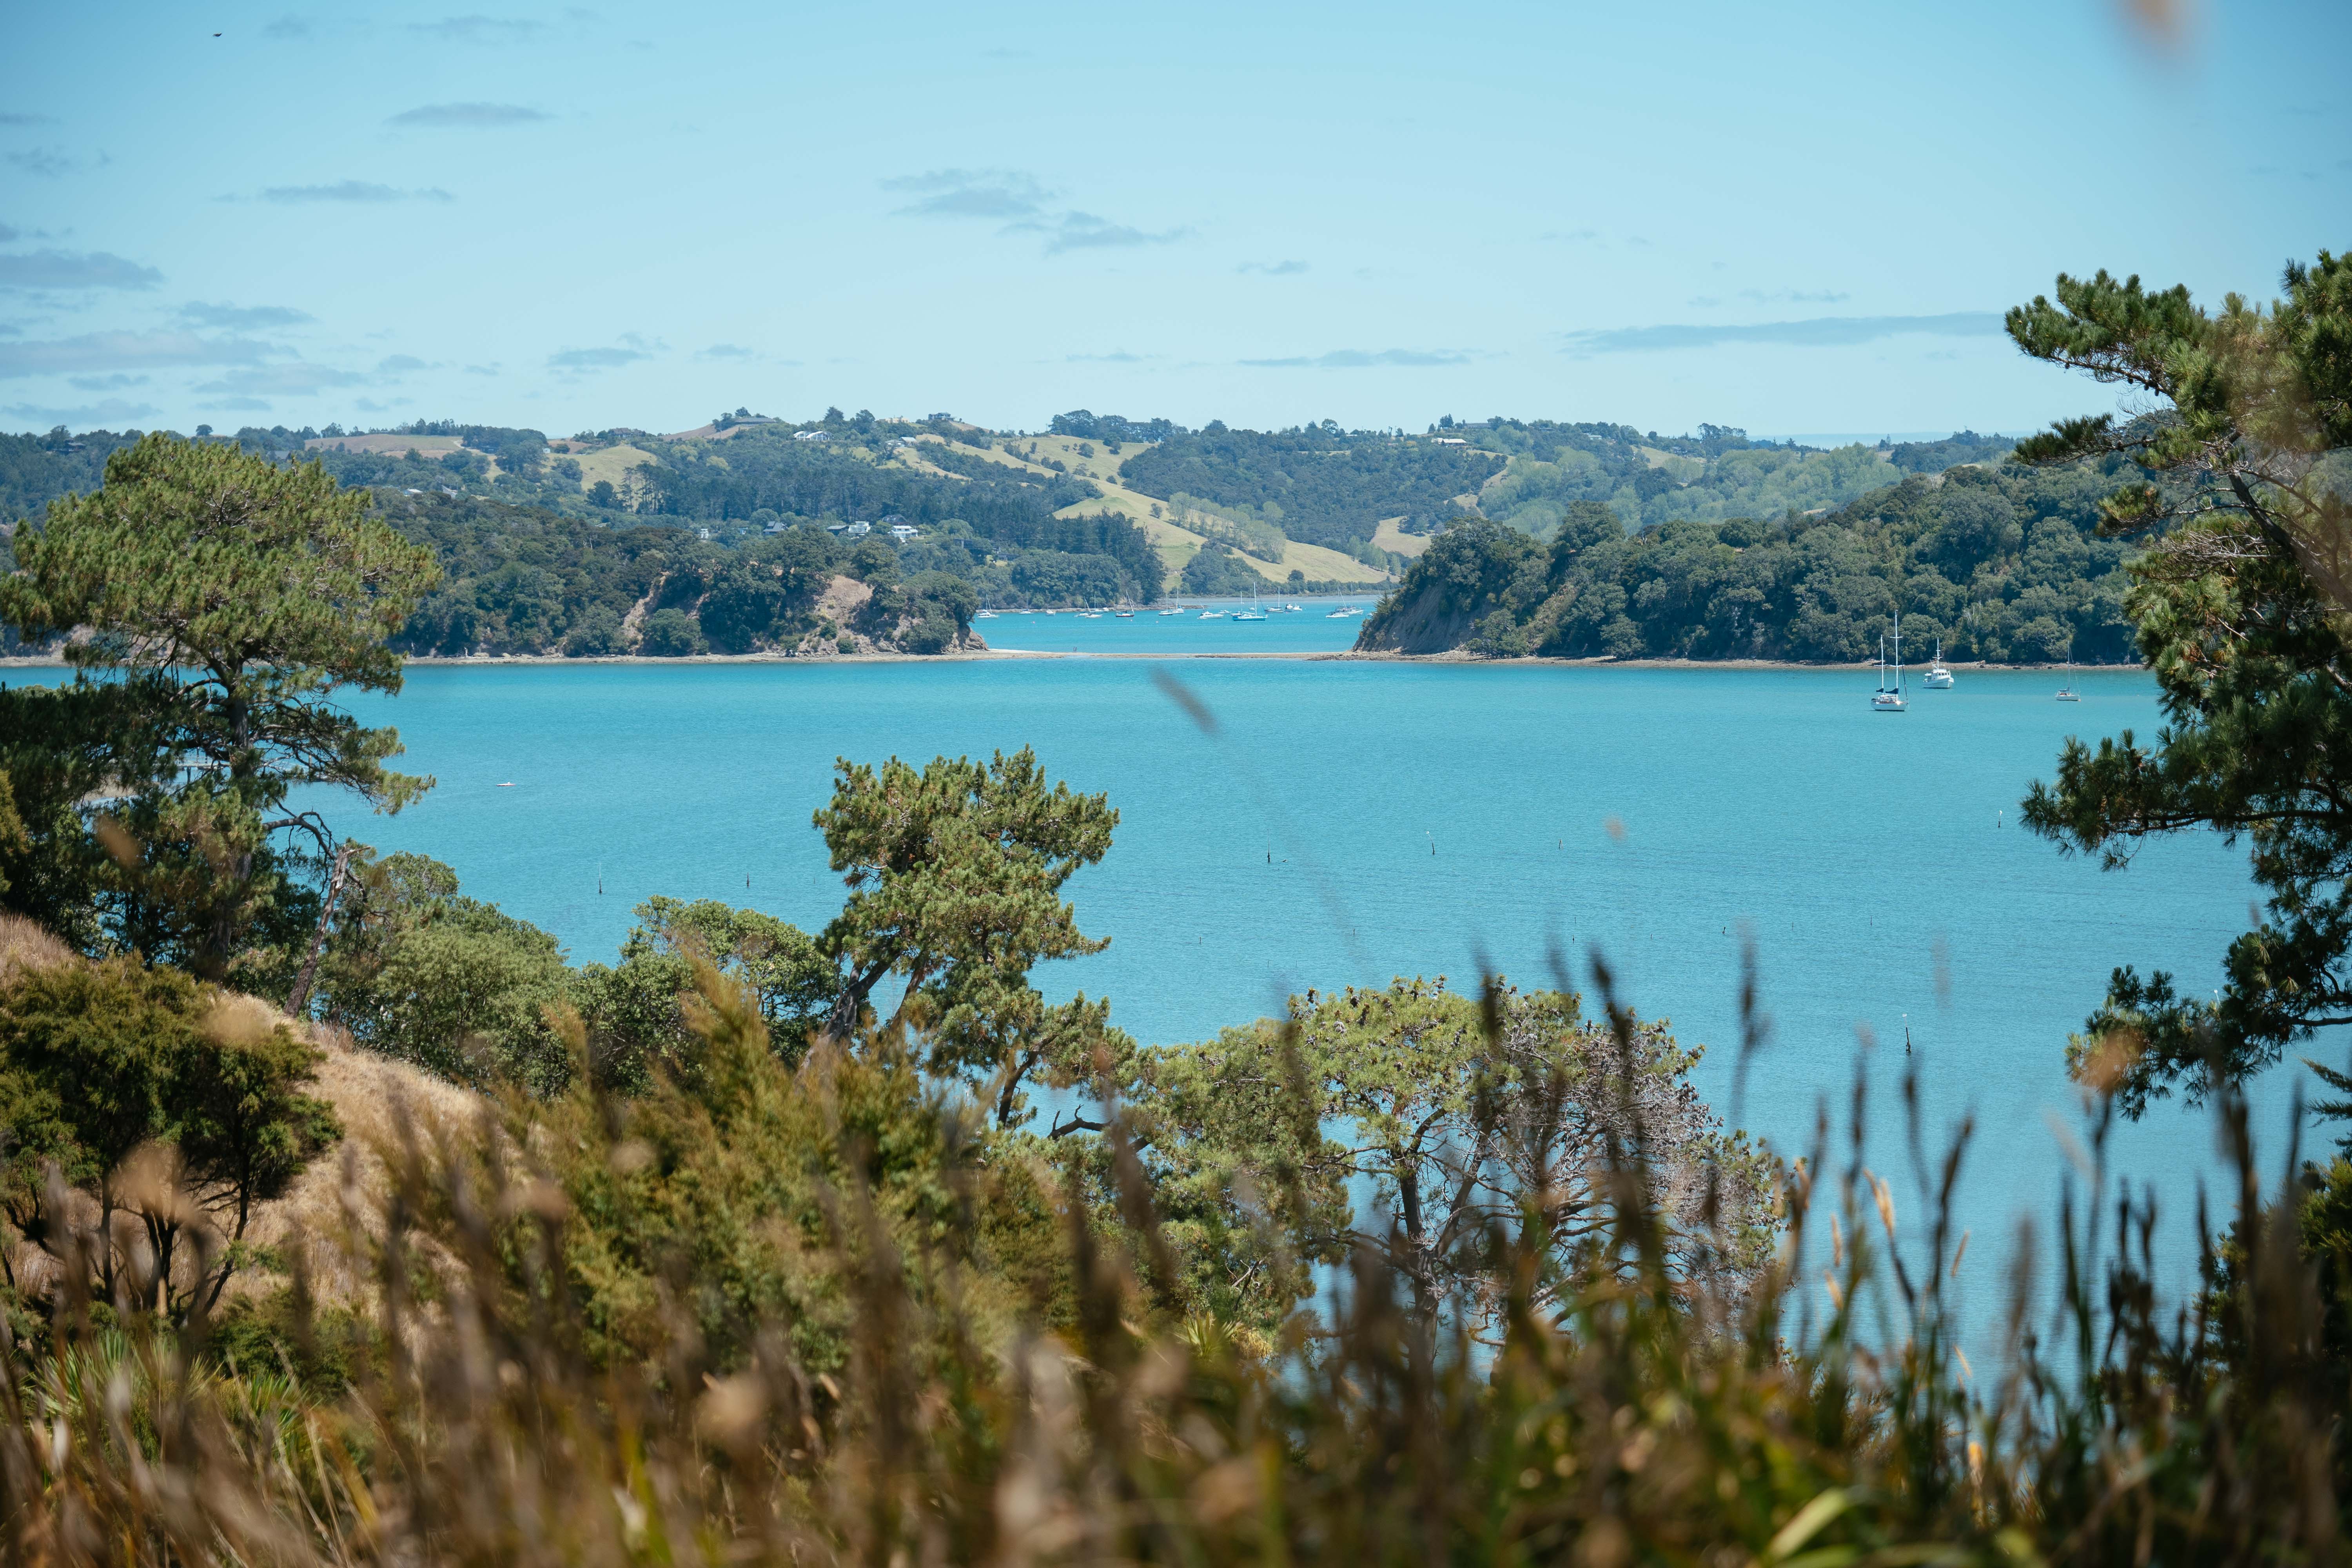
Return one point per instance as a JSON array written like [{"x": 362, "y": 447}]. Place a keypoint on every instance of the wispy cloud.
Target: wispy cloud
[
  {"x": 492, "y": 369},
  {"x": 1571, "y": 236},
  {"x": 287, "y": 27},
  {"x": 291, "y": 378},
  {"x": 1085, "y": 231},
  {"x": 1824, "y": 331},
  {"x": 1796, "y": 296},
  {"x": 469, "y": 116},
  {"x": 1116, "y": 356},
  {"x": 114, "y": 411},
  {"x": 478, "y": 29},
  {"x": 241, "y": 318},
  {"x": 74, "y": 270},
  {"x": 725, "y": 351},
  {"x": 629, "y": 350},
  {"x": 1273, "y": 269},
  {"x": 14, "y": 120},
  {"x": 595, "y": 359},
  {"x": 94, "y": 354},
  {"x": 115, "y": 383},
  {"x": 51, "y": 163},
  {"x": 1022, "y": 204},
  {"x": 1364, "y": 359},
  {"x": 357, "y": 190},
  {"x": 1003, "y": 194}
]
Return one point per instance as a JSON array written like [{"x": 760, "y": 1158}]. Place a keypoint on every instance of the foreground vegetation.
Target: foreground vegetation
[{"x": 751, "y": 1246}]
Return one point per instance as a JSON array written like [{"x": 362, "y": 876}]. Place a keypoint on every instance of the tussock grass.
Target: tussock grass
[{"x": 1653, "y": 1419}]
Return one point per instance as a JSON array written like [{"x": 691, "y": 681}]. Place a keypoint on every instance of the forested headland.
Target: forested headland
[
  {"x": 744, "y": 535},
  {"x": 344, "y": 1219},
  {"x": 2001, "y": 563}
]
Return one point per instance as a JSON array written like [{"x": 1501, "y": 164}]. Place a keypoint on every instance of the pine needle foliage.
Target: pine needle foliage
[
  {"x": 236, "y": 596},
  {"x": 2243, "y": 605}
]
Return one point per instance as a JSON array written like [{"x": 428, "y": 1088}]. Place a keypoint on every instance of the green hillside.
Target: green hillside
[
  {"x": 2003, "y": 563},
  {"x": 544, "y": 537}
]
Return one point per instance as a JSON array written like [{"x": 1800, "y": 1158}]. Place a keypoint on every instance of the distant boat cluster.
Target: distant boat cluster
[
  {"x": 1127, "y": 613},
  {"x": 1891, "y": 699}
]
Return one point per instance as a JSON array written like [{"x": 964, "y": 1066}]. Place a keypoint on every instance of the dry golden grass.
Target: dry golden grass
[
  {"x": 24, "y": 945},
  {"x": 383, "y": 1105}
]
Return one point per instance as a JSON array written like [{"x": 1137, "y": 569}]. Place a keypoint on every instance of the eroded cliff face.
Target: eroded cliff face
[
  {"x": 1421, "y": 623},
  {"x": 883, "y": 623}
]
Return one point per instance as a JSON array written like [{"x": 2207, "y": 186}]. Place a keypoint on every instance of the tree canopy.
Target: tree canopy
[
  {"x": 2242, "y": 605},
  {"x": 955, "y": 875},
  {"x": 234, "y": 598}
]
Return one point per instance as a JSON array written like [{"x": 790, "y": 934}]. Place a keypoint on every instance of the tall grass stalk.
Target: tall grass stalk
[{"x": 1824, "y": 1416}]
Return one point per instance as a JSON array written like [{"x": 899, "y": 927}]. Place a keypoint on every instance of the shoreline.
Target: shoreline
[{"x": 1333, "y": 656}]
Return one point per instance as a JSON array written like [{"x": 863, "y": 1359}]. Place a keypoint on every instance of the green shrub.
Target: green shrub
[
  {"x": 670, "y": 634},
  {"x": 167, "y": 1103}
]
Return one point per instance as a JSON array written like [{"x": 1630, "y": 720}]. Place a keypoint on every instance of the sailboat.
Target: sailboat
[
  {"x": 1889, "y": 698},
  {"x": 2066, "y": 693},
  {"x": 1937, "y": 678},
  {"x": 1256, "y": 612}
]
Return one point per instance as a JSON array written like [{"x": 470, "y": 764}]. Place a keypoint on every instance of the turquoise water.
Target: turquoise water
[
  {"x": 1309, "y": 629},
  {"x": 1356, "y": 821},
  {"x": 1352, "y": 820}
]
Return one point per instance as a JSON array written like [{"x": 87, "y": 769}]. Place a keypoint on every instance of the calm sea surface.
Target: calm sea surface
[{"x": 1351, "y": 822}]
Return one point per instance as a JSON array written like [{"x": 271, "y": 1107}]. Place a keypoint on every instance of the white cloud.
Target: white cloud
[
  {"x": 98, "y": 352},
  {"x": 74, "y": 270}
]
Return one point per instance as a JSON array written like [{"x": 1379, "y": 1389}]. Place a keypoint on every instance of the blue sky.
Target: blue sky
[{"x": 1801, "y": 218}]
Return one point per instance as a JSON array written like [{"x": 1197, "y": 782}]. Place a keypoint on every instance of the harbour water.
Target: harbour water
[{"x": 1352, "y": 821}]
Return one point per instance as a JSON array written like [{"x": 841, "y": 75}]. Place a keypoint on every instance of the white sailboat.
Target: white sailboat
[
  {"x": 1937, "y": 678},
  {"x": 2066, "y": 693},
  {"x": 1889, "y": 698}
]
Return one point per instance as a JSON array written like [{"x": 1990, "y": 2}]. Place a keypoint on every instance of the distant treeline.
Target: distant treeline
[
  {"x": 522, "y": 580},
  {"x": 1325, "y": 484},
  {"x": 2003, "y": 563}
]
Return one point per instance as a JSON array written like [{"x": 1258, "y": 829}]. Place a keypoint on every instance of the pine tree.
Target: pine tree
[
  {"x": 237, "y": 597},
  {"x": 2243, "y": 604}
]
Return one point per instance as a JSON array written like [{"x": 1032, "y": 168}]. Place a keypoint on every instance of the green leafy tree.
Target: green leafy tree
[
  {"x": 1457, "y": 1123},
  {"x": 2243, "y": 604},
  {"x": 237, "y": 597},
  {"x": 955, "y": 875},
  {"x": 167, "y": 1102},
  {"x": 670, "y": 634},
  {"x": 417, "y": 970},
  {"x": 635, "y": 1013}
]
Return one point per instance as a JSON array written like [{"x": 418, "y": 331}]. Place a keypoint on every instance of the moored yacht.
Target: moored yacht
[
  {"x": 1937, "y": 678},
  {"x": 1889, "y": 698}
]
